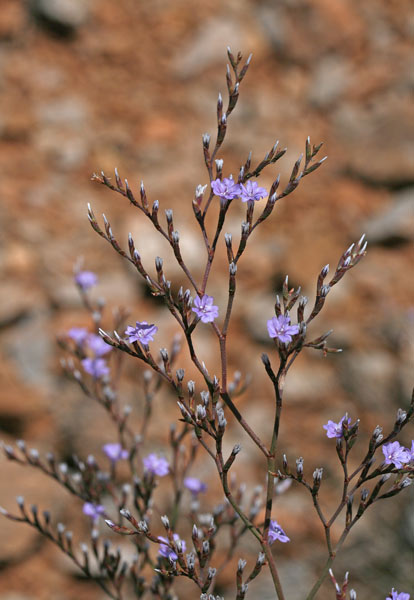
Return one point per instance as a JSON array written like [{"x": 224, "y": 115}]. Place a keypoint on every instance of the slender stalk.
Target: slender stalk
[{"x": 329, "y": 563}]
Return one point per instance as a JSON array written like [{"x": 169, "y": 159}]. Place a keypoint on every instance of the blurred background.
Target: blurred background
[{"x": 87, "y": 85}]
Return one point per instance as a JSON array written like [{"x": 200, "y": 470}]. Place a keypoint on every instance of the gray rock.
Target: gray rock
[
  {"x": 376, "y": 140},
  {"x": 207, "y": 45},
  {"x": 67, "y": 111},
  {"x": 369, "y": 376},
  {"x": 396, "y": 223},
  {"x": 62, "y": 16},
  {"x": 329, "y": 80}
]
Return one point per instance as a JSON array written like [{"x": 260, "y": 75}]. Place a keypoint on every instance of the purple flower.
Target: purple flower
[
  {"x": 412, "y": 450},
  {"x": 336, "y": 430},
  {"x": 78, "y": 335},
  {"x": 251, "y": 192},
  {"x": 194, "y": 485},
  {"x": 96, "y": 367},
  {"x": 277, "y": 533},
  {"x": 165, "y": 549},
  {"x": 226, "y": 189},
  {"x": 142, "y": 332},
  {"x": 86, "y": 279},
  {"x": 396, "y": 454},
  {"x": 280, "y": 328},
  {"x": 93, "y": 510},
  {"x": 398, "y": 596},
  {"x": 97, "y": 345},
  {"x": 157, "y": 465},
  {"x": 205, "y": 309},
  {"x": 115, "y": 452}
]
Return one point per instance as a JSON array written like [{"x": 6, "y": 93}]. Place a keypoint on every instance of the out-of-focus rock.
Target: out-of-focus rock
[
  {"x": 30, "y": 349},
  {"x": 206, "y": 46},
  {"x": 68, "y": 111},
  {"x": 12, "y": 19},
  {"x": 62, "y": 17},
  {"x": 64, "y": 151},
  {"x": 395, "y": 224},
  {"x": 328, "y": 81},
  {"x": 16, "y": 302},
  {"x": 369, "y": 376},
  {"x": 376, "y": 140}
]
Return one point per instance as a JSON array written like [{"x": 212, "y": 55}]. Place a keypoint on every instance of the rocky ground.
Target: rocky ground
[{"x": 87, "y": 85}]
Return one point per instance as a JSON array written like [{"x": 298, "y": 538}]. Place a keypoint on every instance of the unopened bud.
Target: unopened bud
[
  {"x": 143, "y": 527},
  {"x": 241, "y": 564},
  {"x": 317, "y": 475},
  {"x": 299, "y": 466},
  {"x": 401, "y": 416},
  {"x": 175, "y": 237},
  {"x": 200, "y": 412}
]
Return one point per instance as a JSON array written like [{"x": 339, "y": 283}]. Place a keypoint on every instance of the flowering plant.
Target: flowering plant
[{"x": 128, "y": 507}]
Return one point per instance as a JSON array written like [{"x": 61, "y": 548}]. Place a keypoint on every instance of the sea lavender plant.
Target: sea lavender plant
[{"x": 128, "y": 507}]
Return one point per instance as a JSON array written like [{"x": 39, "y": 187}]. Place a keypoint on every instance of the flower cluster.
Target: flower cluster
[
  {"x": 195, "y": 485},
  {"x": 397, "y": 455},
  {"x": 157, "y": 465},
  {"x": 227, "y": 189},
  {"x": 165, "y": 549},
  {"x": 94, "y": 511},
  {"x": 277, "y": 533},
  {"x": 336, "y": 430},
  {"x": 115, "y": 452},
  {"x": 281, "y": 329},
  {"x": 398, "y": 596},
  {"x": 142, "y": 332},
  {"x": 205, "y": 309},
  {"x": 86, "y": 279}
]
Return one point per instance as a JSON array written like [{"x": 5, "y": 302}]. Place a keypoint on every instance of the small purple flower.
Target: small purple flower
[
  {"x": 412, "y": 450},
  {"x": 336, "y": 430},
  {"x": 205, "y": 309},
  {"x": 86, "y": 279},
  {"x": 115, "y": 452},
  {"x": 96, "y": 367},
  {"x": 280, "y": 328},
  {"x": 157, "y": 465},
  {"x": 142, "y": 332},
  {"x": 226, "y": 189},
  {"x": 165, "y": 549},
  {"x": 277, "y": 533},
  {"x": 78, "y": 335},
  {"x": 252, "y": 192},
  {"x": 396, "y": 454},
  {"x": 97, "y": 345},
  {"x": 93, "y": 510},
  {"x": 195, "y": 485},
  {"x": 398, "y": 596}
]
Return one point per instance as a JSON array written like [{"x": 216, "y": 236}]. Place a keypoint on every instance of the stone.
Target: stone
[
  {"x": 61, "y": 16},
  {"x": 395, "y": 224},
  {"x": 328, "y": 81},
  {"x": 207, "y": 45},
  {"x": 376, "y": 140}
]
